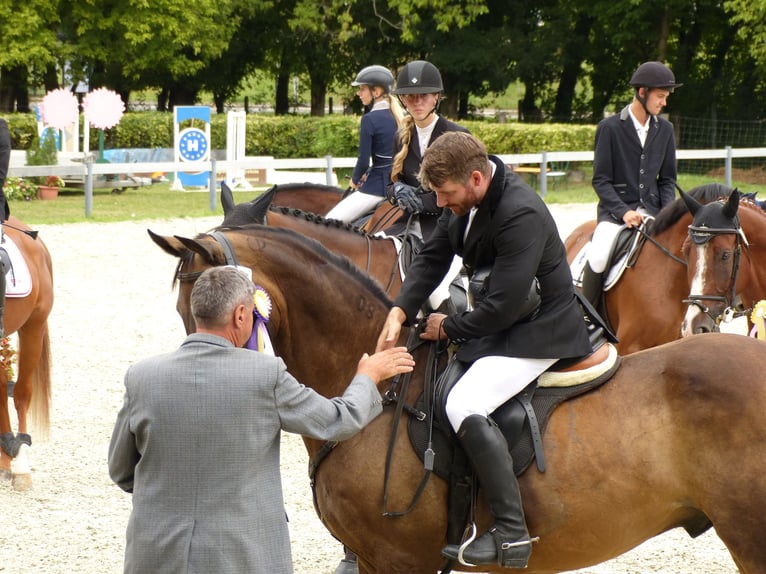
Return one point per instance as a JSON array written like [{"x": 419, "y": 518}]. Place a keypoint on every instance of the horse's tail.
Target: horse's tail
[{"x": 40, "y": 403}]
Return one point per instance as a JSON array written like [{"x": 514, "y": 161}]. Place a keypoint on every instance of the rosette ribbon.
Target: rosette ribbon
[
  {"x": 259, "y": 339},
  {"x": 758, "y": 321}
]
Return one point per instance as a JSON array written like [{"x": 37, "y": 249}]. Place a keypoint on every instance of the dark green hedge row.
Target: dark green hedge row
[{"x": 306, "y": 136}]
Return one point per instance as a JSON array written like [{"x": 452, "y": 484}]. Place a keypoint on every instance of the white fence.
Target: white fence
[{"x": 86, "y": 168}]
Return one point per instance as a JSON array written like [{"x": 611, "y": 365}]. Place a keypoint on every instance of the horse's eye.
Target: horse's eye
[{"x": 726, "y": 255}]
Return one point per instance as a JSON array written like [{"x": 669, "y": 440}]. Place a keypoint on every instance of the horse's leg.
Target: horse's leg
[
  {"x": 6, "y": 434},
  {"x": 33, "y": 362}
]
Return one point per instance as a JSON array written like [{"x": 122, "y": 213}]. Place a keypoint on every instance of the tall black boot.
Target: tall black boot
[
  {"x": 507, "y": 543},
  {"x": 592, "y": 285}
]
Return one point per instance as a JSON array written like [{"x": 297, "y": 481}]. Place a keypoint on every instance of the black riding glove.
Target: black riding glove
[{"x": 408, "y": 197}]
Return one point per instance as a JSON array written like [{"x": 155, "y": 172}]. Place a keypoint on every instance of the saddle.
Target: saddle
[
  {"x": 523, "y": 420},
  {"x": 18, "y": 281}
]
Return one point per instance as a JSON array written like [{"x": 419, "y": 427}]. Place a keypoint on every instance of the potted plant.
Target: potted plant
[
  {"x": 49, "y": 189},
  {"x": 44, "y": 152}
]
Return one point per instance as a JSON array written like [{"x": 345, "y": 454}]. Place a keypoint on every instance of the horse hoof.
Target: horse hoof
[
  {"x": 5, "y": 475},
  {"x": 22, "y": 482}
]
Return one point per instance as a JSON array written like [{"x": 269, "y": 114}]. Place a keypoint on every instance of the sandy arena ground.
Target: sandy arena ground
[{"x": 113, "y": 307}]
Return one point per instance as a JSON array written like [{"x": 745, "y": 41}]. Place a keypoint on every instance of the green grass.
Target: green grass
[{"x": 158, "y": 201}]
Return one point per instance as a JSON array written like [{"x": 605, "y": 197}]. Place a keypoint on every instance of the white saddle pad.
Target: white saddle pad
[
  {"x": 18, "y": 280},
  {"x": 613, "y": 275}
]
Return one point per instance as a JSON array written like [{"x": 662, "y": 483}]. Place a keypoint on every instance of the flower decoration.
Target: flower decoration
[
  {"x": 7, "y": 357},
  {"x": 59, "y": 109},
  {"x": 758, "y": 319},
  {"x": 103, "y": 108},
  {"x": 18, "y": 189}
]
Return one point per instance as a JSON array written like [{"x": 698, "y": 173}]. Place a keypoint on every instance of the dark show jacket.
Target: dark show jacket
[
  {"x": 625, "y": 175},
  {"x": 515, "y": 234}
]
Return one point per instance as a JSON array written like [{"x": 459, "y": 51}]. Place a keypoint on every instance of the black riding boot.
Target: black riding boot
[
  {"x": 592, "y": 285},
  {"x": 507, "y": 543}
]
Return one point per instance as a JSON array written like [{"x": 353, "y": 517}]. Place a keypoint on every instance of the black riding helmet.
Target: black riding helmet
[
  {"x": 654, "y": 75},
  {"x": 419, "y": 77},
  {"x": 375, "y": 76}
]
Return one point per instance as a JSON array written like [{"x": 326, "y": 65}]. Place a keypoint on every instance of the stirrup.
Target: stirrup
[{"x": 471, "y": 537}]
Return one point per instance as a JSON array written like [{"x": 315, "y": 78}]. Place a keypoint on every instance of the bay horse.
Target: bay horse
[
  {"x": 26, "y": 314},
  {"x": 312, "y": 197},
  {"x": 376, "y": 255},
  {"x": 725, "y": 262},
  {"x": 646, "y": 306},
  {"x": 673, "y": 440}
]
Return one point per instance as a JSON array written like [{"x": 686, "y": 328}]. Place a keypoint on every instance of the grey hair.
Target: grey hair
[{"x": 217, "y": 292}]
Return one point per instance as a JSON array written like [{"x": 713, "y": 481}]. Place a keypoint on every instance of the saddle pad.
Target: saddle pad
[
  {"x": 613, "y": 275},
  {"x": 572, "y": 378},
  {"x": 18, "y": 280}
]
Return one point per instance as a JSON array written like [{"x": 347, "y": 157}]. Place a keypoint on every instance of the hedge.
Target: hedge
[{"x": 296, "y": 136}]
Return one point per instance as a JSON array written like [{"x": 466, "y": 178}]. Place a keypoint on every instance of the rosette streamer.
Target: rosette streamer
[
  {"x": 259, "y": 339},
  {"x": 757, "y": 318}
]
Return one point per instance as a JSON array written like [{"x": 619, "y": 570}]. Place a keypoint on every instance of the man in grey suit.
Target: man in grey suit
[{"x": 197, "y": 439}]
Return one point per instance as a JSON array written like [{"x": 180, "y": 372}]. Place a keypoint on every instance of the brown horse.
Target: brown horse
[
  {"x": 671, "y": 441},
  {"x": 27, "y": 315},
  {"x": 646, "y": 306},
  {"x": 377, "y": 256},
  {"x": 311, "y": 197},
  {"x": 725, "y": 268}
]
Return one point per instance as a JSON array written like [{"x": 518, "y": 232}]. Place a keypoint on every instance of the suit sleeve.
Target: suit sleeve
[
  {"x": 603, "y": 173},
  {"x": 123, "y": 453},
  {"x": 304, "y": 411},
  {"x": 668, "y": 174},
  {"x": 5, "y": 159}
]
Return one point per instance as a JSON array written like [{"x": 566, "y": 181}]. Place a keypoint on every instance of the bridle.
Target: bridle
[{"x": 733, "y": 306}]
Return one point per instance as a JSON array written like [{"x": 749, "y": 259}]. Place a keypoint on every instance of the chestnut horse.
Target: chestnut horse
[
  {"x": 27, "y": 315},
  {"x": 673, "y": 440},
  {"x": 377, "y": 256},
  {"x": 646, "y": 306}
]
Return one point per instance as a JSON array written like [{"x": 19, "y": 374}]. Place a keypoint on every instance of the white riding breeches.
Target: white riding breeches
[
  {"x": 601, "y": 245},
  {"x": 603, "y": 240},
  {"x": 354, "y": 206},
  {"x": 489, "y": 383}
]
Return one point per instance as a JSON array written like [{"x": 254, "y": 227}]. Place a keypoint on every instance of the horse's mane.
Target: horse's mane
[
  {"x": 287, "y": 235},
  {"x": 305, "y": 185},
  {"x": 671, "y": 213},
  {"x": 321, "y": 220}
]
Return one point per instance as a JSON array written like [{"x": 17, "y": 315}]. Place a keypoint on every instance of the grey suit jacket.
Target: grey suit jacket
[{"x": 197, "y": 442}]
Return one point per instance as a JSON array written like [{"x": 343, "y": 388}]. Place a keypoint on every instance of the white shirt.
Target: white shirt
[
  {"x": 424, "y": 134},
  {"x": 641, "y": 130}
]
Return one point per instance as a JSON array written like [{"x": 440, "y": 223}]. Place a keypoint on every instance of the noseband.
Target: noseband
[{"x": 733, "y": 303}]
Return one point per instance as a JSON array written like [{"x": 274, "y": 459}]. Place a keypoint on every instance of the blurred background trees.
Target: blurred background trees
[{"x": 570, "y": 59}]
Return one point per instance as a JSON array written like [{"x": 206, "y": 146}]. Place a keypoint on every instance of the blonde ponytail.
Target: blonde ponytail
[{"x": 404, "y": 135}]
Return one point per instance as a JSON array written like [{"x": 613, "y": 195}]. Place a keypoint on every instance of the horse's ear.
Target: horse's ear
[
  {"x": 209, "y": 251},
  {"x": 227, "y": 198},
  {"x": 732, "y": 204},
  {"x": 691, "y": 204},
  {"x": 259, "y": 207},
  {"x": 169, "y": 245}
]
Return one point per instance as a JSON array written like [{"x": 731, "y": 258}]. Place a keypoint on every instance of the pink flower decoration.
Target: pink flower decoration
[
  {"x": 59, "y": 109},
  {"x": 103, "y": 108}
]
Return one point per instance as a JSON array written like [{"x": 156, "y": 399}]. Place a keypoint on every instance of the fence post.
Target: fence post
[
  {"x": 212, "y": 183},
  {"x": 728, "y": 165},
  {"x": 88, "y": 184},
  {"x": 543, "y": 177},
  {"x": 328, "y": 169}
]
